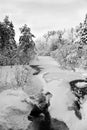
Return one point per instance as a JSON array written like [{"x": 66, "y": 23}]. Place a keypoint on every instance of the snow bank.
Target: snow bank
[{"x": 13, "y": 109}]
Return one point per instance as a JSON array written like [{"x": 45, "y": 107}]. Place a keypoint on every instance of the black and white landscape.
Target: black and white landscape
[{"x": 43, "y": 65}]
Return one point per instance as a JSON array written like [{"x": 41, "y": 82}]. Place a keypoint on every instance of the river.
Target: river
[{"x": 56, "y": 81}]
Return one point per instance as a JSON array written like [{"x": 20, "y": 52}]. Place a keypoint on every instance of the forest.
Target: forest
[
  {"x": 68, "y": 47},
  {"x": 11, "y": 52}
]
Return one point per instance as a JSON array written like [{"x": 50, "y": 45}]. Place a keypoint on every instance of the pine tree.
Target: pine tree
[
  {"x": 83, "y": 31},
  {"x": 7, "y": 40},
  {"x": 26, "y": 39},
  {"x": 7, "y": 35},
  {"x": 11, "y": 33},
  {"x": 26, "y": 45}
]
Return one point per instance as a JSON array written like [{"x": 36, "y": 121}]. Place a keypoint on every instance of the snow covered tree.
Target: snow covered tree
[
  {"x": 82, "y": 32},
  {"x": 26, "y": 39},
  {"x": 7, "y": 34},
  {"x": 26, "y": 45},
  {"x": 7, "y": 40}
]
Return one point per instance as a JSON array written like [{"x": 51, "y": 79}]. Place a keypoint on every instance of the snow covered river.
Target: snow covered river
[
  {"x": 57, "y": 82},
  {"x": 14, "y": 112}
]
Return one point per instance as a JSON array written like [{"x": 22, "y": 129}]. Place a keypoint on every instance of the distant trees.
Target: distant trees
[
  {"x": 56, "y": 40},
  {"x": 69, "y": 53},
  {"x": 68, "y": 47},
  {"x": 49, "y": 42},
  {"x": 42, "y": 47}
]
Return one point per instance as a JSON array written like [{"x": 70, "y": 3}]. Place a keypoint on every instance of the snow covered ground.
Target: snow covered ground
[
  {"x": 13, "y": 112},
  {"x": 57, "y": 82}
]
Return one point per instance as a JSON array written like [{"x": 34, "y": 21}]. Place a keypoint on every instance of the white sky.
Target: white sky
[{"x": 43, "y": 15}]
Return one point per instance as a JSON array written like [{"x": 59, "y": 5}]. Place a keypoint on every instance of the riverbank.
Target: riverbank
[
  {"x": 50, "y": 77},
  {"x": 57, "y": 81}
]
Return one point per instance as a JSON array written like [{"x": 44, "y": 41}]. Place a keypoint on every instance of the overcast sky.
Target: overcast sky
[{"x": 43, "y": 15}]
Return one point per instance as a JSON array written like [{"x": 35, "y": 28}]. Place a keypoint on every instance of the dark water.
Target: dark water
[
  {"x": 79, "y": 93},
  {"x": 37, "y": 69}
]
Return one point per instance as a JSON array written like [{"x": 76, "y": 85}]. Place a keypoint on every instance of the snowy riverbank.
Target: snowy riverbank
[
  {"x": 57, "y": 82},
  {"x": 13, "y": 112}
]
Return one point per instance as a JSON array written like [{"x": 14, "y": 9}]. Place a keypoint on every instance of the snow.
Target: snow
[
  {"x": 81, "y": 85},
  {"x": 57, "y": 82},
  {"x": 12, "y": 108},
  {"x": 14, "y": 111}
]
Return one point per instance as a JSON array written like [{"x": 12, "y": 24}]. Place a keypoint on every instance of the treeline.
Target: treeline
[
  {"x": 68, "y": 47},
  {"x": 12, "y": 53}
]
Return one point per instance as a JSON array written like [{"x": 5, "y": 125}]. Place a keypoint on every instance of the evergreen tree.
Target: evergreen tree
[
  {"x": 8, "y": 45},
  {"x": 83, "y": 32},
  {"x": 26, "y": 45},
  {"x": 7, "y": 37},
  {"x": 26, "y": 38}
]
